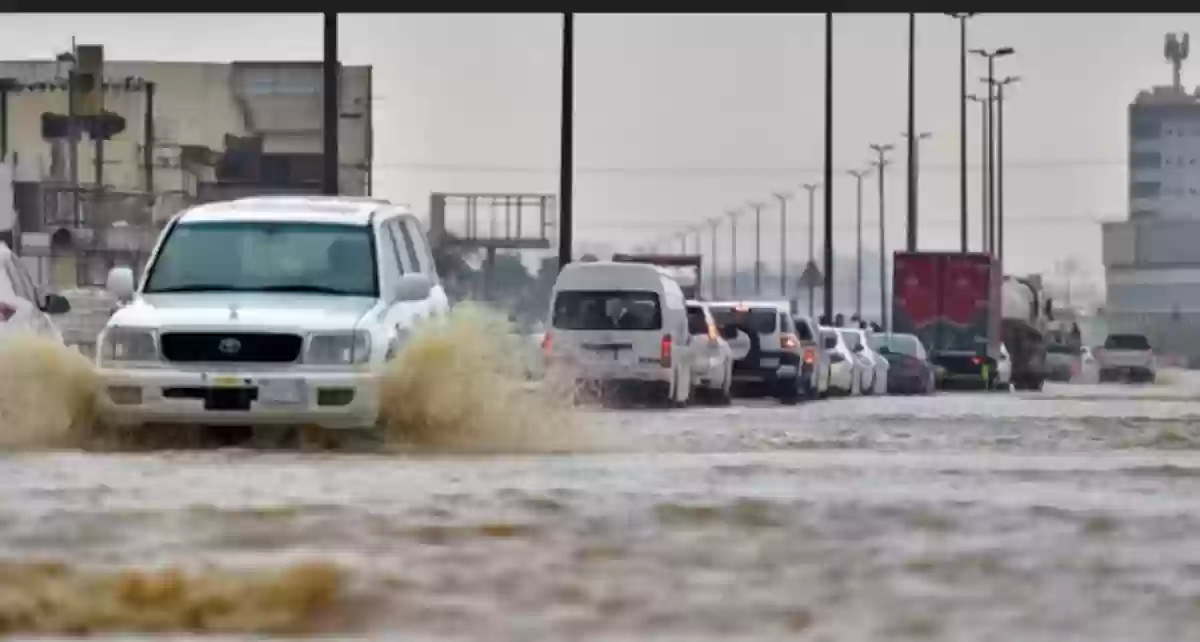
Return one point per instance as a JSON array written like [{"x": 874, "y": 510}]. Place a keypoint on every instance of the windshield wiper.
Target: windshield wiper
[
  {"x": 196, "y": 287},
  {"x": 315, "y": 289}
]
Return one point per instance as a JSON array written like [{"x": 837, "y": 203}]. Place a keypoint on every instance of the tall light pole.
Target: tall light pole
[
  {"x": 828, "y": 161},
  {"x": 812, "y": 238},
  {"x": 911, "y": 241},
  {"x": 566, "y": 162},
  {"x": 858, "y": 175},
  {"x": 991, "y": 60},
  {"x": 331, "y": 113},
  {"x": 881, "y": 167},
  {"x": 733, "y": 263},
  {"x": 1008, "y": 80},
  {"x": 914, "y": 186},
  {"x": 783, "y": 201},
  {"x": 962, "y": 139},
  {"x": 713, "y": 224},
  {"x": 757, "y": 207},
  {"x": 984, "y": 168}
]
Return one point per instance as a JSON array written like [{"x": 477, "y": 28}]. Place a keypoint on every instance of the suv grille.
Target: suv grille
[{"x": 256, "y": 347}]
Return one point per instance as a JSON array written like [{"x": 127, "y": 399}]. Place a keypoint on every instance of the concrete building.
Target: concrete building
[
  {"x": 1152, "y": 260},
  {"x": 193, "y": 132}
]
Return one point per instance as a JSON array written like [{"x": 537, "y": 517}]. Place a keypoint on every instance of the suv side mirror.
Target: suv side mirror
[
  {"x": 413, "y": 287},
  {"x": 120, "y": 283},
  {"x": 55, "y": 304}
]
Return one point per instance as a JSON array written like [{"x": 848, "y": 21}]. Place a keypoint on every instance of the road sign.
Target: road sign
[{"x": 811, "y": 278}]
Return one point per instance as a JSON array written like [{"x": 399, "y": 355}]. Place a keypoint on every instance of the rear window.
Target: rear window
[
  {"x": 1126, "y": 342},
  {"x": 763, "y": 320},
  {"x": 697, "y": 324},
  {"x": 803, "y": 329},
  {"x": 607, "y": 310},
  {"x": 905, "y": 344},
  {"x": 852, "y": 339}
]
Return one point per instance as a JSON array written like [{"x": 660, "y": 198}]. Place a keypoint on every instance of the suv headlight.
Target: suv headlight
[
  {"x": 126, "y": 344},
  {"x": 339, "y": 348}
]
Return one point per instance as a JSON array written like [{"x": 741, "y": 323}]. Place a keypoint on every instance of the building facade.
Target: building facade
[
  {"x": 192, "y": 132},
  {"x": 1152, "y": 260}
]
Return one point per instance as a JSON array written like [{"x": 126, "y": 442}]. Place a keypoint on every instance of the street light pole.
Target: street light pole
[
  {"x": 911, "y": 240},
  {"x": 566, "y": 163},
  {"x": 1000, "y": 165},
  {"x": 991, "y": 81},
  {"x": 783, "y": 201},
  {"x": 828, "y": 162},
  {"x": 812, "y": 238},
  {"x": 858, "y": 271},
  {"x": 962, "y": 141},
  {"x": 712, "y": 271},
  {"x": 881, "y": 167},
  {"x": 757, "y": 207},
  {"x": 914, "y": 188},
  {"x": 733, "y": 263},
  {"x": 984, "y": 165}
]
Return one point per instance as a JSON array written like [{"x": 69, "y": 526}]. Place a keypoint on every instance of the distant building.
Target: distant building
[
  {"x": 193, "y": 132},
  {"x": 1152, "y": 260}
]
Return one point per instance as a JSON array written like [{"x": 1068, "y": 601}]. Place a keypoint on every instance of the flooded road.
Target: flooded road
[{"x": 1067, "y": 515}]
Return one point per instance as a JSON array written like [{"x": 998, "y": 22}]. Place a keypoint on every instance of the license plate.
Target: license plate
[
  {"x": 769, "y": 363},
  {"x": 281, "y": 392},
  {"x": 226, "y": 381}
]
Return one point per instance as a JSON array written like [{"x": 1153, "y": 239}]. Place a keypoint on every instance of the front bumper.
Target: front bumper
[{"x": 326, "y": 398}]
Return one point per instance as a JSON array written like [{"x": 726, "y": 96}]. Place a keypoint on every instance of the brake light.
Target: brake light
[
  {"x": 665, "y": 350},
  {"x": 547, "y": 344},
  {"x": 810, "y": 354},
  {"x": 6, "y": 311},
  {"x": 977, "y": 360},
  {"x": 788, "y": 341}
]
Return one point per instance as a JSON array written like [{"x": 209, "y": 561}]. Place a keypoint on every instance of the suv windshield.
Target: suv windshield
[
  {"x": 252, "y": 256},
  {"x": 1126, "y": 342},
  {"x": 607, "y": 310}
]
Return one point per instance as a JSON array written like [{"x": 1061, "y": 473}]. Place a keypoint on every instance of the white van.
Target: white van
[{"x": 621, "y": 326}]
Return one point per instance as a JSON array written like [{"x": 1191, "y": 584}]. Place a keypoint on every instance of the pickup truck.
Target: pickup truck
[{"x": 1127, "y": 357}]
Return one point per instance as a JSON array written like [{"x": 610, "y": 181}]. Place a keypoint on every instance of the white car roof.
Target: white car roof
[
  {"x": 345, "y": 210},
  {"x": 749, "y": 303}
]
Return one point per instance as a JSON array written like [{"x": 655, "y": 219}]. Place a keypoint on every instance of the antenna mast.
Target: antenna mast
[{"x": 1176, "y": 51}]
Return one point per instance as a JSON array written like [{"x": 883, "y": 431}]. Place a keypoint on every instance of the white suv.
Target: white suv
[
  {"x": 24, "y": 309},
  {"x": 268, "y": 310}
]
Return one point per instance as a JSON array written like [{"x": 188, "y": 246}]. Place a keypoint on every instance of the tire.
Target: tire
[{"x": 789, "y": 391}]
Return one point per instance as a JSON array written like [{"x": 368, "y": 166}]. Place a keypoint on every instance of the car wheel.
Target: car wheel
[{"x": 789, "y": 391}]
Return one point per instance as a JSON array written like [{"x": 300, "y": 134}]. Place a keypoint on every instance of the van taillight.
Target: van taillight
[
  {"x": 665, "y": 351},
  {"x": 6, "y": 311},
  {"x": 788, "y": 342},
  {"x": 810, "y": 354},
  {"x": 977, "y": 360},
  {"x": 547, "y": 344}
]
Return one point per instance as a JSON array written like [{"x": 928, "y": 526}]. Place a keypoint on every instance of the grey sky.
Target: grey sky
[{"x": 680, "y": 117}]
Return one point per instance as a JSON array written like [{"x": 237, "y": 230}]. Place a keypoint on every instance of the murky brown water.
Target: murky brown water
[{"x": 1070, "y": 515}]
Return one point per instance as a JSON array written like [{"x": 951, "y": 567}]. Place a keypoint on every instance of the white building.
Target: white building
[{"x": 1152, "y": 260}]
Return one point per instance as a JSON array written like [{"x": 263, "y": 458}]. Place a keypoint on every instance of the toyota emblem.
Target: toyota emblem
[{"x": 229, "y": 345}]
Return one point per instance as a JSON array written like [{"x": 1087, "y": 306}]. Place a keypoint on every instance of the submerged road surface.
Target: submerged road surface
[{"x": 1068, "y": 515}]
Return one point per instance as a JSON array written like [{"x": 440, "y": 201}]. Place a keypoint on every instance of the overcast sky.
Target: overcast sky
[{"x": 682, "y": 117}]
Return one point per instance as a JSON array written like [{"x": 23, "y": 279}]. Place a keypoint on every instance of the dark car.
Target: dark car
[{"x": 909, "y": 368}]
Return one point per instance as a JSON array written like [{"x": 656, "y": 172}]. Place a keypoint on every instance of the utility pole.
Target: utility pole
[
  {"x": 911, "y": 242},
  {"x": 812, "y": 239},
  {"x": 984, "y": 165},
  {"x": 733, "y": 264},
  {"x": 330, "y": 108},
  {"x": 783, "y": 232},
  {"x": 566, "y": 163},
  {"x": 829, "y": 167},
  {"x": 881, "y": 166},
  {"x": 757, "y": 207},
  {"x": 914, "y": 186},
  {"x": 712, "y": 271},
  {"x": 991, "y": 81},
  {"x": 1000, "y": 165},
  {"x": 962, "y": 140},
  {"x": 858, "y": 175}
]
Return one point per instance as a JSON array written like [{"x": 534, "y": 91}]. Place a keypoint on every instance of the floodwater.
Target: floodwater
[{"x": 1067, "y": 515}]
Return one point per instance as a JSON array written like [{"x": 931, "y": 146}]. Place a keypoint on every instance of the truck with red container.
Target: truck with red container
[{"x": 950, "y": 300}]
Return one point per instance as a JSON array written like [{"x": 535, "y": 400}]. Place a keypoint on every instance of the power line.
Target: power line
[{"x": 708, "y": 172}]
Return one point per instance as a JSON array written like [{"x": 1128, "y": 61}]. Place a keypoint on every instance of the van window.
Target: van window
[
  {"x": 1126, "y": 342},
  {"x": 762, "y": 319},
  {"x": 803, "y": 329},
  {"x": 697, "y": 323},
  {"x": 607, "y": 310}
]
